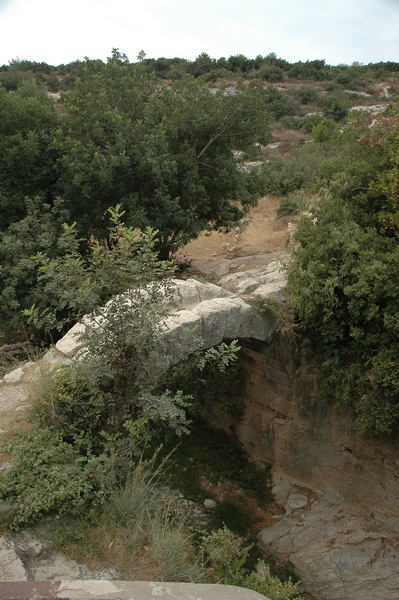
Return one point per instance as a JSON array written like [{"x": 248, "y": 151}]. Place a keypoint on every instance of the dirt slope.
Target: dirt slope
[{"x": 261, "y": 233}]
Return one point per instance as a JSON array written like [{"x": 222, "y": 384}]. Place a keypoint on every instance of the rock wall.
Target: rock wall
[{"x": 288, "y": 424}]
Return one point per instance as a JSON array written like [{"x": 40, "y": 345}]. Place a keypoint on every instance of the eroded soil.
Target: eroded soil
[{"x": 261, "y": 233}]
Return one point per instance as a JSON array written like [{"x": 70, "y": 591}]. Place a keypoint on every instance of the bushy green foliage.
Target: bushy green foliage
[
  {"x": 325, "y": 131},
  {"x": 79, "y": 284},
  {"x": 295, "y": 203},
  {"x": 226, "y": 555},
  {"x": 316, "y": 70},
  {"x": 164, "y": 152},
  {"x": 304, "y": 124},
  {"x": 335, "y": 107},
  {"x": 261, "y": 580},
  {"x": 282, "y": 176},
  {"x": 210, "y": 378},
  {"x": 307, "y": 95},
  {"x": 279, "y": 103},
  {"x": 27, "y": 121},
  {"x": 47, "y": 474},
  {"x": 38, "y": 232},
  {"x": 344, "y": 275}
]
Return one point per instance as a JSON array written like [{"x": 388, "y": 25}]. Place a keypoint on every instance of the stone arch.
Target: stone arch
[{"x": 206, "y": 312}]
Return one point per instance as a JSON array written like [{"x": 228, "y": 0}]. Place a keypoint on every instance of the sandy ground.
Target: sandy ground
[{"x": 261, "y": 233}]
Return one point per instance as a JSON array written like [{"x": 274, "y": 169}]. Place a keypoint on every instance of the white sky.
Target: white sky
[{"x": 340, "y": 31}]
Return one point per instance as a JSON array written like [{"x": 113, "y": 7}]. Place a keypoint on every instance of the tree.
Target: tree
[
  {"x": 335, "y": 108},
  {"x": 27, "y": 122},
  {"x": 163, "y": 151},
  {"x": 201, "y": 65}
]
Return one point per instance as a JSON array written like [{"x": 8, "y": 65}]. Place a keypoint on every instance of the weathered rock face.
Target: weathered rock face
[
  {"x": 339, "y": 554},
  {"x": 339, "y": 490},
  {"x": 25, "y": 557},
  {"x": 288, "y": 424}
]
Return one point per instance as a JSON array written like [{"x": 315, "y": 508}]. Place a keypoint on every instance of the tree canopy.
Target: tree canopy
[
  {"x": 168, "y": 153},
  {"x": 164, "y": 152}
]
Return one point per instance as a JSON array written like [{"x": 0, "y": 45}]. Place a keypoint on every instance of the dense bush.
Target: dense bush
[
  {"x": 226, "y": 555},
  {"x": 283, "y": 176},
  {"x": 343, "y": 278},
  {"x": 335, "y": 108},
  {"x": 307, "y": 95},
  {"x": 38, "y": 232},
  {"x": 47, "y": 474}
]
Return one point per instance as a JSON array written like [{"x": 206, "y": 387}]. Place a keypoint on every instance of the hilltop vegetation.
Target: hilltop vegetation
[{"x": 268, "y": 68}]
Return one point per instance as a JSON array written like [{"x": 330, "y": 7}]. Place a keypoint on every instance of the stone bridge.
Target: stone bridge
[{"x": 209, "y": 313}]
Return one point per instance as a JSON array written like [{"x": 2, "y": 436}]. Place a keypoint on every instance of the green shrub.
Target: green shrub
[
  {"x": 210, "y": 378},
  {"x": 261, "y": 580},
  {"x": 307, "y": 95},
  {"x": 325, "y": 131},
  {"x": 46, "y": 474},
  {"x": 225, "y": 556},
  {"x": 291, "y": 205},
  {"x": 335, "y": 108}
]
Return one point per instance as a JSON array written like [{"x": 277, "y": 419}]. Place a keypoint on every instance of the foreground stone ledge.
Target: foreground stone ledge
[{"x": 122, "y": 590}]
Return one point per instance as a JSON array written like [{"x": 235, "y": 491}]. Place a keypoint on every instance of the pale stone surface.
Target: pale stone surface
[
  {"x": 15, "y": 376},
  {"x": 270, "y": 289},
  {"x": 70, "y": 344},
  {"x": 190, "y": 292},
  {"x": 25, "y": 557},
  {"x": 273, "y": 279},
  {"x": 57, "y": 566},
  {"x": 144, "y": 590},
  {"x": 11, "y": 566},
  {"x": 55, "y": 357},
  {"x": 338, "y": 553},
  {"x": 241, "y": 283},
  {"x": 296, "y": 500}
]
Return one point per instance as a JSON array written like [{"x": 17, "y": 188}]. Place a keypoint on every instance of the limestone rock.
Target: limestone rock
[
  {"x": 14, "y": 376},
  {"x": 272, "y": 280},
  {"x": 70, "y": 344},
  {"x": 336, "y": 552},
  {"x": 55, "y": 357},
  {"x": 190, "y": 292},
  {"x": 270, "y": 289},
  {"x": 240, "y": 283},
  {"x": 11, "y": 566},
  {"x": 296, "y": 500},
  {"x": 58, "y": 566}
]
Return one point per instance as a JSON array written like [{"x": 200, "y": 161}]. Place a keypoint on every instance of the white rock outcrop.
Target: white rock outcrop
[{"x": 205, "y": 314}]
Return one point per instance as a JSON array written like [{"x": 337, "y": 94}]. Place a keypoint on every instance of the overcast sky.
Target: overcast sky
[{"x": 340, "y": 31}]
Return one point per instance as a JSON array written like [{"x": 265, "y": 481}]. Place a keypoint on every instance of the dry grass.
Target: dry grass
[{"x": 141, "y": 532}]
